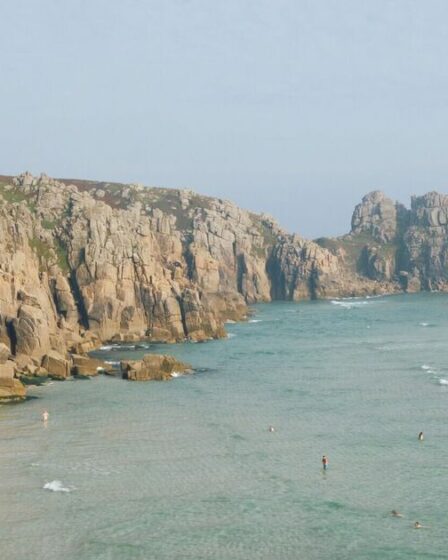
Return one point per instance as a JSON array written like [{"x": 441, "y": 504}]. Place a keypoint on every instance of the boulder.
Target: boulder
[
  {"x": 11, "y": 389},
  {"x": 87, "y": 367},
  {"x": 153, "y": 367},
  {"x": 56, "y": 365},
  {"x": 4, "y": 352}
]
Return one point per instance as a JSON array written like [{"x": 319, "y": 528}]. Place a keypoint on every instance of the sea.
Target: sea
[{"x": 187, "y": 469}]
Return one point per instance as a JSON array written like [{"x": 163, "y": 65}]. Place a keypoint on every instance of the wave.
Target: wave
[
  {"x": 255, "y": 320},
  {"x": 56, "y": 486},
  {"x": 424, "y": 324},
  {"x": 113, "y": 347},
  {"x": 443, "y": 381},
  {"x": 426, "y": 367},
  {"x": 349, "y": 304}
]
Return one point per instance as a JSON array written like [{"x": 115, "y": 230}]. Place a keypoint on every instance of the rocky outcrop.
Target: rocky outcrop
[
  {"x": 11, "y": 389},
  {"x": 87, "y": 262},
  {"x": 380, "y": 217},
  {"x": 84, "y": 262},
  {"x": 88, "y": 367},
  {"x": 153, "y": 367},
  {"x": 406, "y": 247},
  {"x": 57, "y": 366}
]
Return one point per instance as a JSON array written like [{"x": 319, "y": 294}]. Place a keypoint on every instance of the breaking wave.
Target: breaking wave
[
  {"x": 56, "y": 486},
  {"x": 349, "y": 304}
]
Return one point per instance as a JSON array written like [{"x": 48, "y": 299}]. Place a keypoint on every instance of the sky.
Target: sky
[{"x": 296, "y": 108}]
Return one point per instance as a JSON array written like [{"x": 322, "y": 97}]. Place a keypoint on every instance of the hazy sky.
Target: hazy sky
[{"x": 292, "y": 107}]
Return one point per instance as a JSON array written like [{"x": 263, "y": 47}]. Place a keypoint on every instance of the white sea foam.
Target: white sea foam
[
  {"x": 230, "y": 322},
  {"x": 56, "y": 486},
  {"x": 424, "y": 324},
  {"x": 111, "y": 363},
  {"x": 255, "y": 320},
  {"x": 231, "y": 335},
  {"x": 443, "y": 381},
  {"x": 176, "y": 374},
  {"x": 348, "y": 304},
  {"x": 425, "y": 367},
  {"x": 106, "y": 348}
]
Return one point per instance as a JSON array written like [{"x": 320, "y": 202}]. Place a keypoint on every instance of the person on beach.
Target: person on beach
[
  {"x": 324, "y": 462},
  {"x": 45, "y": 416},
  {"x": 396, "y": 513},
  {"x": 420, "y": 436}
]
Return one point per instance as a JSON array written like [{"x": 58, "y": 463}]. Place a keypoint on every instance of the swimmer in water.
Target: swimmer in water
[
  {"x": 396, "y": 513},
  {"x": 324, "y": 462},
  {"x": 417, "y": 525},
  {"x": 45, "y": 416},
  {"x": 420, "y": 436},
  {"x": 271, "y": 429}
]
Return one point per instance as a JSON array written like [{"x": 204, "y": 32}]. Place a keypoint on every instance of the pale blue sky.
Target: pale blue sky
[{"x": 296, "y": 108}]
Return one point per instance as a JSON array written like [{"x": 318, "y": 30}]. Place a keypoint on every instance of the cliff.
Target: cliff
[
  {"x": 391, "y": 244},
  {"x": 83, "y": 262}
]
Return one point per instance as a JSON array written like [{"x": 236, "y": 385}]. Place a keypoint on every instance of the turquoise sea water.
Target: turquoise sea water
[{"x": 187, "y": 469}]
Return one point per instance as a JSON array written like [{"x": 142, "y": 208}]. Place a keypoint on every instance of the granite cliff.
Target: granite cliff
[{"x": 84, "y": 262}]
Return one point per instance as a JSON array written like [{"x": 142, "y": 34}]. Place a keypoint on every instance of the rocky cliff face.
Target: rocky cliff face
[
  {"x": 406, "y": 249},
  {"x": 84, "y": 262}
]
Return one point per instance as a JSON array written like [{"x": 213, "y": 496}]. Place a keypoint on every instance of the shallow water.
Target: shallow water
[{"x": 188, "y": 469}]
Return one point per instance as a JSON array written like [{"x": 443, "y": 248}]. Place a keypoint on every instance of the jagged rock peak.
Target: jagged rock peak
[{"x": 378, "y": 216}]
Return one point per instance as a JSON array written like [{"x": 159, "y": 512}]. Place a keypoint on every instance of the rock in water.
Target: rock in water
[{"x": 153, "y": 367}]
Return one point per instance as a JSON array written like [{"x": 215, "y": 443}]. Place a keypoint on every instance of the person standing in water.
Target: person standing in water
[
  {"x": 324, "y": 462},
  {"x": 420, "y": 436},
  {"x": 45, "y": 416}
]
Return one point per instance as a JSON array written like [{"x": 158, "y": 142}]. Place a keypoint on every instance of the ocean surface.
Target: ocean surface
[{"x": 188, "y": 470}]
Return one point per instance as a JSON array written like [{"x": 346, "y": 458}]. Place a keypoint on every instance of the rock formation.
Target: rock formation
[
  {"x": 153, "y": 367},
  {"x": 84, "y": 262}
]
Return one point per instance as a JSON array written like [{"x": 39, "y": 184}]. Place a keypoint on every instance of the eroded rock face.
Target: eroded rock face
[
  {"x": 425, "y": 243},
  {"x": 379, "y": 216},
  {"x": 153, "y": 367},
  {"x": 84, "y": 262},
  {"x": 11, "y": 389},
  {"x": 57, "y": 365},
  {"x": 88, "y": 367}
]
